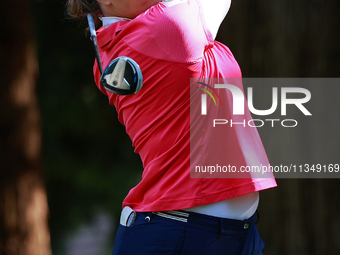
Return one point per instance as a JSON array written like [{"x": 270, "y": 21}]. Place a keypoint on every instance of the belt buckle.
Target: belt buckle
[{"x": 128, "y": 216}]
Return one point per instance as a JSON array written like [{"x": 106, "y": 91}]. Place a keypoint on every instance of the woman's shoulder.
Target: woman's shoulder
[{"x": 174, "y": 32}]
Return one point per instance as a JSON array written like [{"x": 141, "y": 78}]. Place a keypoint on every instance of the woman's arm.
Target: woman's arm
[{"x": 214, "y": 13}]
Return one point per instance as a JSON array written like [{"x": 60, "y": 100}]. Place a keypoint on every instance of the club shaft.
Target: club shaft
[{"x": 94, "y": 40}]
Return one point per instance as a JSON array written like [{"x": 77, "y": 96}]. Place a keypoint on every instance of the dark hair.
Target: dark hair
[{"x": 78, "y": 9}]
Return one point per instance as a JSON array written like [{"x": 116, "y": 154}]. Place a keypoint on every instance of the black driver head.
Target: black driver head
[{"x": 122, "y": 76}]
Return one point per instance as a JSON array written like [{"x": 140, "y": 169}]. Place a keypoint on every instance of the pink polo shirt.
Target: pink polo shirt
[{"x": 171, "y": 44}]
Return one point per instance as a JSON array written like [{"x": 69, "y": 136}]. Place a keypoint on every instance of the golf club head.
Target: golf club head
[{"x": 122, "y": 76}]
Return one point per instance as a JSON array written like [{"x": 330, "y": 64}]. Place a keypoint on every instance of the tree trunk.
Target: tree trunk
[{"x": 23, "y": 202}]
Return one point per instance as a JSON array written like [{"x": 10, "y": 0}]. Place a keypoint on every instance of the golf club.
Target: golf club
[{"x": 94, "y": 40}]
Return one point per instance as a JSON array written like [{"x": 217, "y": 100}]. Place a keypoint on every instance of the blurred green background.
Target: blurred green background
[{"x": 88, "y": 160}]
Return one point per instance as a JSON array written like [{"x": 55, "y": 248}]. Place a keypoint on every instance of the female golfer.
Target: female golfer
[{"x": 168, "y": 212}]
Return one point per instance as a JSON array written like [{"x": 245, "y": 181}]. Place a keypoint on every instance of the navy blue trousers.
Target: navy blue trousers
[{"x": 200, "y": 235}]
